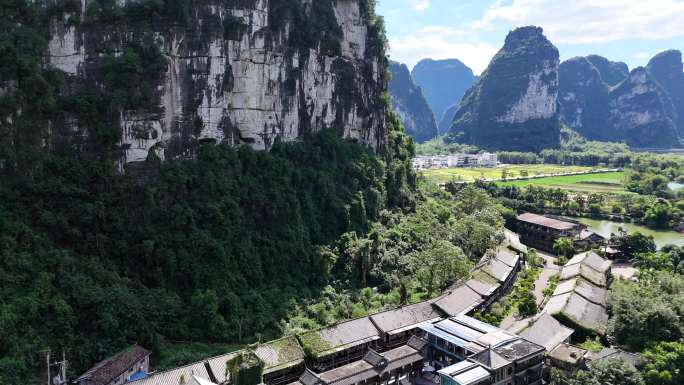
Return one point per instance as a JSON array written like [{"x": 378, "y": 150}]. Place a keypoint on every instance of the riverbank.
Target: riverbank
[{"x": 606, "y": 227}]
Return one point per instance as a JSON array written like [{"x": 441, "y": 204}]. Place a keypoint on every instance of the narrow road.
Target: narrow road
[{"x": 550, "y": 269}]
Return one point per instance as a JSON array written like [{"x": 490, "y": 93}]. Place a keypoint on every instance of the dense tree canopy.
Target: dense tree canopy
[{"x": 213, "y": 249}]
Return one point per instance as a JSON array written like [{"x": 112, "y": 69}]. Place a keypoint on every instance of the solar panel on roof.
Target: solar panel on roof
[
  {"x": 476, "y": 324},
  {"x": 459, "y": 330},
  {"x": 444, "y": 335}
]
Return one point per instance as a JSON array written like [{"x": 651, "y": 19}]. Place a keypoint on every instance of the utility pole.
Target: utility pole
[{"x": 47, "y": 367}]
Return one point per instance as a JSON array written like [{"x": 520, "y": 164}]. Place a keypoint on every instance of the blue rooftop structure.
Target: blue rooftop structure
[
  {"x": 475, "y": 324},
  {"x": 431, "y": 329},
  {"x": 137, "y": 376},
  {"x": 459, "y": 330}
]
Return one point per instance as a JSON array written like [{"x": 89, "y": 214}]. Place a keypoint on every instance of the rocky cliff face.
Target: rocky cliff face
[
  {"x": 237, "y": 71},
  {"x": 448, "y": 118},
  {"x": 410, "y": 105},
  {"x": 644, "y": 109},
  {"x": 444, "y": 82},
  {"x": 513, "y": 105},
  {"x": 641, "y": 112},
  {"x": 612, "y": 73},
  {"x": 667, "y": 69},
  {"x": 583, "y": 98}
]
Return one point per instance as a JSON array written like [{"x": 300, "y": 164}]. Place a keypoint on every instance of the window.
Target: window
[{"x": 510, "y": 371}]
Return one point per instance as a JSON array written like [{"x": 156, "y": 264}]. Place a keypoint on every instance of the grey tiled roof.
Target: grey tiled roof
[
  {"x": 405, "y": 316},
  {"x": 345, "y": 335},
  {"x": 491, "y": 359},
  {"x": 175, "y": 376},
  {"x": 460, "y": 300},
  {"x": 280, "y": 354},
  {"x": 584, "y": 271},
  {"x": 589, "y": 291},
  {"x": 498, "y": 269},
  {"x": 546, "y": 221},
  {"x": 507, "y": 256},
  {"x": 362, "y": 370},
  {"x": 484, "y": 289},
  {"x": 578, "y": 309},
  {"x": 547, "y": 332},
  {"x": 109, "y": 369},
  {"x": 591, "y": 259}
]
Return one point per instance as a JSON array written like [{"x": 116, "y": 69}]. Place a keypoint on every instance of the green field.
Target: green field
[
  {"x": 610, "y": 182},
  {"x": 445, "y": 175}
]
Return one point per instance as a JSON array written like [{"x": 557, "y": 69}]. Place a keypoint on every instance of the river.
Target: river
[{"x": 605, "y": 228}]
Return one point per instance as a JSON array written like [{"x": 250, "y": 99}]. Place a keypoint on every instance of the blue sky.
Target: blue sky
[{"x": 473, "y": 30}]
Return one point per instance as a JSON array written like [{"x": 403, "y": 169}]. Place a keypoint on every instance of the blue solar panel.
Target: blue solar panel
[
  {"x": 459, "y": 330},
  {"x": 476, "y": 324},
  {"x": 430, "y": 328}
]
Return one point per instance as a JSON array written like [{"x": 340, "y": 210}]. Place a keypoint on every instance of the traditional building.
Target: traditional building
[
  {"x": 283, "y": 360},
  {"x": 580, "y": 298},
  {"x": 515, "y": 361},
  {"x": 567, "y": 358},
  {"x": 594, "y": 261},
  {"x": 544, "y": 330},
  {"x": 121, "y": 368},
  {"x": 542, "y": 232},
  {"x": 398, "y": 325},
  {"x": 340, "y": 344},
  {"x": 390, "y": 367}
]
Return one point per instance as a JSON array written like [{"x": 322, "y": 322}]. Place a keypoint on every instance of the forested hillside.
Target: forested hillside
[
  {"x": 212, "y": 249},
  {"x": 214, "y": 244}
]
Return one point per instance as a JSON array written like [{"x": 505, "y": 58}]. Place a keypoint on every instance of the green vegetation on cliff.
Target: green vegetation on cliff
[{"x": 214, "y": 249}]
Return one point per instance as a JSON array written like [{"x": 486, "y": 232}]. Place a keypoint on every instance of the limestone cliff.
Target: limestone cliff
[
  {"x": 237, "y": 71},
  {"x": 513, "y": 105},
  {"x": 643, "y": 109},
  {"x": 641, "y": 113},
  {"x": 409, "y": 104},
  {"x": 583, "y": 98},
  {"x": 612, "y": 73},
  {"x": 667, "y": 69}
]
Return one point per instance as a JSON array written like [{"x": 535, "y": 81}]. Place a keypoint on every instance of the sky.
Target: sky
[{"x": 473, "y": 31}]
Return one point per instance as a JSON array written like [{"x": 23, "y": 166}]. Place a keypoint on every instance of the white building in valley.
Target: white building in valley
[{"x": 485, "y": 159}]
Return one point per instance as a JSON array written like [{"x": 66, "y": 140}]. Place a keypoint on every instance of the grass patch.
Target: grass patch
[
  {"x": 610, "y": 182},
  {"x": 175, "y": 354},
  {"x": 467, "y": 174},
  {"x": 593, "y": 346},
  {"x": 523, "y": 287}
]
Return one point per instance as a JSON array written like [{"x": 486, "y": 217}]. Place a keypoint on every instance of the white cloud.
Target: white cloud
[
  {"x": 590, "y": 21},
  {"x": 439, "y": 42},
  {"x": 419, "y": 5},
  {"x": 642, "y": 55}
]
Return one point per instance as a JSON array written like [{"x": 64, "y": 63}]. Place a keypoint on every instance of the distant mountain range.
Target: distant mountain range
[
  {"x": 526, "y": 94},
  {"x": 444, "y": 82},
  {"x": 441, "y": 85}
]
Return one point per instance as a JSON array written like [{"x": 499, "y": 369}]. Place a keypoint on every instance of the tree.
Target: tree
[
  {"x": 563, "y": 247},
  {"x": 245, "y": 369},
  {"x": 527, "y": 306},
  {"x": 649, "y": 310},
  {"x": 665, "y": 364},
  {"x": 607, "y": 372},
  {"x": 634, "y": 244}
]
